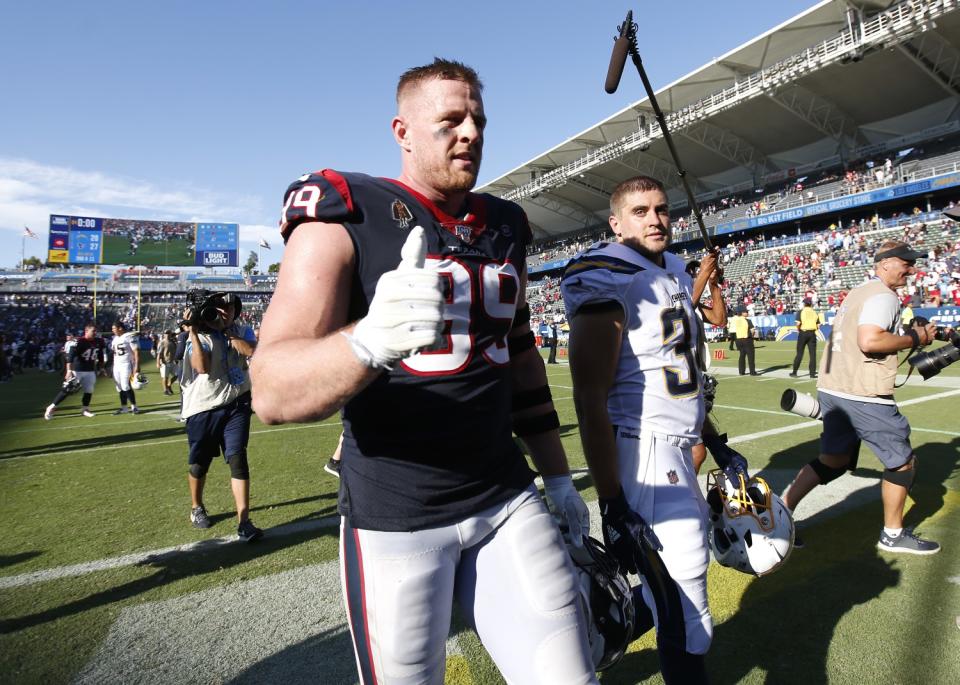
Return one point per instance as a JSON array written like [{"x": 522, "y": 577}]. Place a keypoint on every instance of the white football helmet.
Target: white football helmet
[
  {"x": 138, "y": 381},
  {"x": 751, "y": 528},
  {"x": 607, "y": 601}
]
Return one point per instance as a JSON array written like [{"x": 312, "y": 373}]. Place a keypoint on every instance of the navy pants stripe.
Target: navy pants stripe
[{"x": 356, "y": 604}]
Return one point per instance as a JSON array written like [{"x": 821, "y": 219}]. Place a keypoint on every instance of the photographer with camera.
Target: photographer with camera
[
  {"x": 855, "y": 393},
  {"x": 216, "y": 400}
]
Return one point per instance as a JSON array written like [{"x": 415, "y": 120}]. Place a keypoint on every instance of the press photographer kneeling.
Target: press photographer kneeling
[
  {"x": 855, "y": 388},
  {"x": 216, "y": 400}
]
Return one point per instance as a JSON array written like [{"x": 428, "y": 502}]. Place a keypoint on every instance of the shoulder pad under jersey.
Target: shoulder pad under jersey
[
  {"x": 321, "y": 196},
  {"x": 594, "y": 276}
]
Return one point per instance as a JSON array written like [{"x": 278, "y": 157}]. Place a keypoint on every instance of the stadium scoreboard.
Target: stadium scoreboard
[
  {"x": 75, "y": 240},
  {"x": 95, "y": 240},
  {"x": 217, "y": 244}
]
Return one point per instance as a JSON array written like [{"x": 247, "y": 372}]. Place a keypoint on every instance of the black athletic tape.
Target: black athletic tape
[
  {"x": 85, "y": 400},
  {"x": 521, "y": 343},
  {"x": 521, "y": 316},
  {"x": 239, "y": 468},
  {"x": 902, "y": 478},
  {"x": 534, "y": 425},
  {"x": 531, "y": 398},
  {"x": 825, "y": 473},
  {"x": 198, "y": 471}
]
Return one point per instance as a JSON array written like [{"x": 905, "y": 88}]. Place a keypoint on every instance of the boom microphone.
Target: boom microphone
[
  {"x": 618, "y": 58},
  {"x": 627, "y": 44}
]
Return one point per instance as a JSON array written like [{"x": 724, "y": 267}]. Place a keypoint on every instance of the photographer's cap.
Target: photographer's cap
[{"x": 902, "y": 251}]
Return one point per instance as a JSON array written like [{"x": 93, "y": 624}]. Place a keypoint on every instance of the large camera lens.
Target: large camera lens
[
  {"x": 929, "y": 364},
  {"x": 209, "y": 314},
  {"x": 800, "y": 403}
]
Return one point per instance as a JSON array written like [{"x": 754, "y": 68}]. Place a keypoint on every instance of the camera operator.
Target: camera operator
[
  {"x": 855, "y": 390},
  {"x": 216, "y": 400}
]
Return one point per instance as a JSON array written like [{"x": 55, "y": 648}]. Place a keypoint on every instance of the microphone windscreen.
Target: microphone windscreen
[{"x": 618, "y": 58}]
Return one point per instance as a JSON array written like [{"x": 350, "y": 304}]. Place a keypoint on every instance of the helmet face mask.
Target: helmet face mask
[
  {"x": 138, "y": 381},
  {"x": 751, "y": 529},
  {"x": 72, "y": 385},
  {"x": 607, "y": 601}
]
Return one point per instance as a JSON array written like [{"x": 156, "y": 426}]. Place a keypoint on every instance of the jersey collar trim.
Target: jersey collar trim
[{"x": 475, "y": 218}]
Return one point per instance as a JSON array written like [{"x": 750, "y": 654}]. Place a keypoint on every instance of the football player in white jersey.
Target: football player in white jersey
[
  {"x": 125, "y": 350},
  {"x": 633, "y": 343}
]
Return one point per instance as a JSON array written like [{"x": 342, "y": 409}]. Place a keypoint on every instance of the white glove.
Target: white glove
[
  {"x": 566, "y": 503},
  {"x": 406, "y": 313}
]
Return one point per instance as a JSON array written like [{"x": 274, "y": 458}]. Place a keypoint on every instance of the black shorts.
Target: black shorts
[{"x": 224, "y": 429}]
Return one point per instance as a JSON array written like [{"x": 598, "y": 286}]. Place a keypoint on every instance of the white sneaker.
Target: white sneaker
[
  {"x": 48, "y": 414},
  {"x": 89, "y": 414}
]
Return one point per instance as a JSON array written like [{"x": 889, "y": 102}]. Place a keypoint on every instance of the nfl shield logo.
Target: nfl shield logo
[
  {"x": 672, "y": 477},
  {"x": 464, "y": 233}
]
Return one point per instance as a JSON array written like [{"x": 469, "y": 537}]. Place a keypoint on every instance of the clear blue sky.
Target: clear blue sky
[{"x": 206, "y": 110}]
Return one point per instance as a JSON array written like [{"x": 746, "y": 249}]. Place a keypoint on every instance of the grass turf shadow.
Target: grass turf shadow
[{"x": 209, "y": 556}]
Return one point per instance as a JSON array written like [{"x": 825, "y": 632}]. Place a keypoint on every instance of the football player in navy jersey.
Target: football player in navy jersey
[
  {"x": 84, "y": 358},
  {"x": 404, "y": 301}
]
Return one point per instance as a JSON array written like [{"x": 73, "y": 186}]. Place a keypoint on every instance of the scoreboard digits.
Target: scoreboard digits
[{"x": 94, "y": 240}]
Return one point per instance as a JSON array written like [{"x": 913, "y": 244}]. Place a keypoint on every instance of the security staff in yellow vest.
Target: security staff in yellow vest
[
  {"x": 743, "y": 328},
  {"x": 855, "y": 391},
  {"x": 906, "y": 318},
  {"x": 808, "y": 321}
]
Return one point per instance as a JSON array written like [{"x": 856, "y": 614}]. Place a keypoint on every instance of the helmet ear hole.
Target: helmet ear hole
[
  {"x": 721, "y": 540},
  {"x": 713, "y": 499}
]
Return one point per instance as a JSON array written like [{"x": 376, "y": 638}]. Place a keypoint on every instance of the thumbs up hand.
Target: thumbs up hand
[{"x": 406, "y": 312}]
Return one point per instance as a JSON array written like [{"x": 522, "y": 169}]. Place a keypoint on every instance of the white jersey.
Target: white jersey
[
  {"x": 122, "y": 347},
  {"x": 68, "y": 347},
  {"x": 657, "y": 384}
]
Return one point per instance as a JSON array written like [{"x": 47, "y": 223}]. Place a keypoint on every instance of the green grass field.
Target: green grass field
[
  {"x": 116, "y": 250},
  {"x": 102, "y": 579}
]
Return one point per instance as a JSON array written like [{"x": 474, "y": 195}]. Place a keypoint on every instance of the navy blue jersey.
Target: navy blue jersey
[
  {"x": 87, "y": 353},
  {"x": 430, "y": 442}
]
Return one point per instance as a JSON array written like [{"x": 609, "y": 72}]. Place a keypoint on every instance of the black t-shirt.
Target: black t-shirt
[{"x": 429, "y": 443}]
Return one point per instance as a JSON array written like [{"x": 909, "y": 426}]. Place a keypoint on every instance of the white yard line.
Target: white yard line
[
  {"x": 106, "y": 446},
  {"x": 154, "y": 555},
  {"x": 136, "y": 558},
  {"x": 167, "y": 415},
  {"x": 751, "y": 409}
]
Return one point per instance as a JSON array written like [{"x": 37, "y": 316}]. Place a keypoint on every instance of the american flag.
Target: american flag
[{"x": 27, "y": 233}]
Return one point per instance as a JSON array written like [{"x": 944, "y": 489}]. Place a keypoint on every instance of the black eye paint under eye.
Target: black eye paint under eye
[{"x": 443, "y": 132}]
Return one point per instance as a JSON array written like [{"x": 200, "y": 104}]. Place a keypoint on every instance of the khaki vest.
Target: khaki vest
[{"x": 844, "y": 367}]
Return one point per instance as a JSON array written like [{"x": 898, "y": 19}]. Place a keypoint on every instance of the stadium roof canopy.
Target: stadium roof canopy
[{"x": 844, "y": 80}]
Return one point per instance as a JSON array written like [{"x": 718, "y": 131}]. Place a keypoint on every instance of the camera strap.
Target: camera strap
[{"x": 235, "y": 375}]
